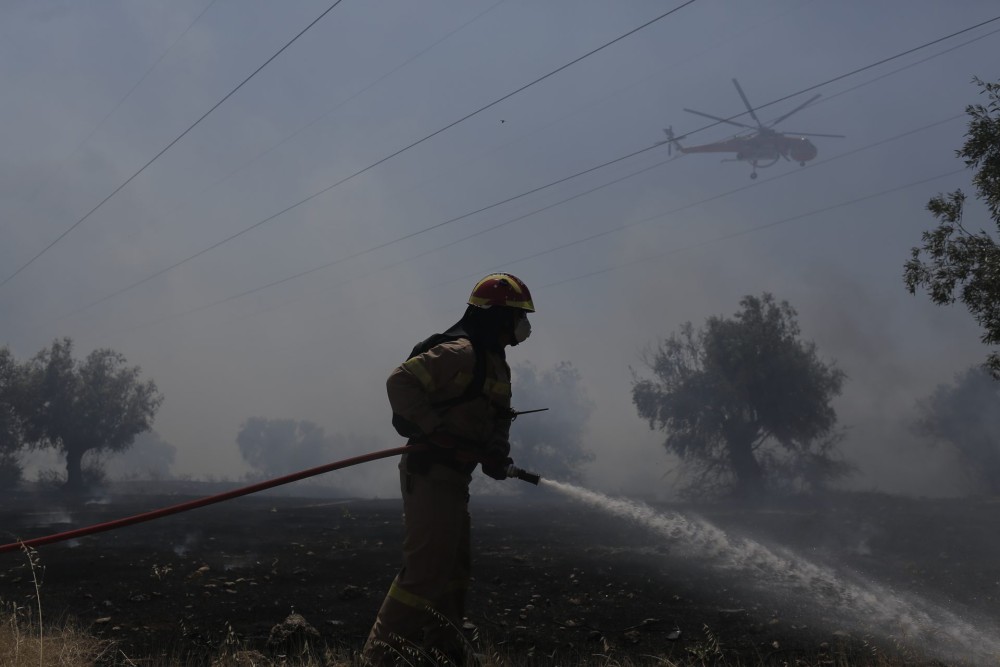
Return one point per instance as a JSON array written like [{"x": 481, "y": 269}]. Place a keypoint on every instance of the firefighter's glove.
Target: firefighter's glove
[
  {"x": 497, "y": 468},
  {"x": 496, "y": 458},
  {"x": 498, "y": 448}
]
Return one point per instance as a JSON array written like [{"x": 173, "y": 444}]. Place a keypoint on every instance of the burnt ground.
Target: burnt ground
[{"x": 553, "y": 580}]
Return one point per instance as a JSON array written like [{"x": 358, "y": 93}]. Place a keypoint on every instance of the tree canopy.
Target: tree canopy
[
  {"x": 12, "y": 439},
  {"x": 954, "y": 263},
  {"x": 97, "y": 405},
  {"x": 744, "y": 403}
]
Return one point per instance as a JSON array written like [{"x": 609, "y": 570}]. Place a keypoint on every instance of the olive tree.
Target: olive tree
[
  {"x": 744, "y": 402},
  {"x": 96, "y": 405},
  {"x": 955, "y": 263}
]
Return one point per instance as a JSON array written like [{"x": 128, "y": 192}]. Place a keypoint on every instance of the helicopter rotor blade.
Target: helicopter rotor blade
[
  {"x": 816, "y": 134},
  {"x": 796, "y": 109},
  {"x": 721, "y": 120},
  {"x": 747, "y": 103}
]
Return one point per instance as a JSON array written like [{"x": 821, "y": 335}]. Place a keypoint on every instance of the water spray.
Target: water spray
[{"x": 866, "y": 604}]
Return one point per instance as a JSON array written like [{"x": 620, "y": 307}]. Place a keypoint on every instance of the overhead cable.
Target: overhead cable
[
  {"x": 403, "y": 150},
  {"x": 904, "y": 67},
  {"x": 481, "y": 209},
  {"x": 166, "y": 148},
  {"x": 663, "y": 214},
  {"x": 548, "y": 185},
  {"x": 328, "y": 112}
]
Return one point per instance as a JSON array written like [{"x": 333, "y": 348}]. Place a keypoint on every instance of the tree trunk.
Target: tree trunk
[
  {"x": 749, "y": 475},
  {"x": 74, "y": 469}
]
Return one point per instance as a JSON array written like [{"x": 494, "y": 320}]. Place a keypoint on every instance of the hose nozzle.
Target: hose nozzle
[{"x": 530, "y": 477}]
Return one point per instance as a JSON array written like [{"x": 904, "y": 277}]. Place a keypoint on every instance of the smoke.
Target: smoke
[
  {"x": 965, "y": 418},
  {"x": 276, "y": 447},
  {"x": 150, "y": 457},
  {"x": 551, "y": 441}
]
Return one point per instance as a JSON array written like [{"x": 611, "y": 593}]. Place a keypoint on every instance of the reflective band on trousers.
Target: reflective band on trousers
[{"x": 411, "y": 600}]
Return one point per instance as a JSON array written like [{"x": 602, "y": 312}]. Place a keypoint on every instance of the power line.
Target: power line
[
  {"x": 484, "y": 208},
  {"x": 526, "y": 193},
  {"x": 398, "y": 152},
  {"x": 673, "y": 211},
  {"x": 327, "y": 113},
  {"x": 168, "y": 146},
  {"x": 904, "y": 67},
  {"x": 725, "y": 194}
]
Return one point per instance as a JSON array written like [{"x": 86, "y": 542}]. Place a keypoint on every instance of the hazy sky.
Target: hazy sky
[{"x": 290, "y": 320}]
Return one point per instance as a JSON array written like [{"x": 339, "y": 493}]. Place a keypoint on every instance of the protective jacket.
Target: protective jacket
[{"x": 427, "y": 389}]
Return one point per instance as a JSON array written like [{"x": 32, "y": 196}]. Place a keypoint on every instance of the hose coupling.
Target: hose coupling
[{"x": 530, "y": 477}]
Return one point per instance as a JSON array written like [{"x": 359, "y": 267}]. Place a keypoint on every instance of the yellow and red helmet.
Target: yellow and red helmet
[{"x": 501, "y": 289}]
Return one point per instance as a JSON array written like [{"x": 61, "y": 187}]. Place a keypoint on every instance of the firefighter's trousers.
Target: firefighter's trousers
[{"x": 422, "y": 613}]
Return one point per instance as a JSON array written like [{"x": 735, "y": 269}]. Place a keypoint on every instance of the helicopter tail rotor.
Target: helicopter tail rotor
[{"x": 670, "y": 141}]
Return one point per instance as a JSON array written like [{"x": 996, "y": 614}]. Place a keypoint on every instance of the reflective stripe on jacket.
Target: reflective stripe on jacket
[{"x": 443, "y": 373}]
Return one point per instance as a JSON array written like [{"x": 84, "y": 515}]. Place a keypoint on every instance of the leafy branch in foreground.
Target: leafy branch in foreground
[{"x": 954, "y": 263}]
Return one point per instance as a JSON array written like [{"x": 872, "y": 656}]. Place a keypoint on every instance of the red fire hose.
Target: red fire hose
[{"x": 201, "y": 502}]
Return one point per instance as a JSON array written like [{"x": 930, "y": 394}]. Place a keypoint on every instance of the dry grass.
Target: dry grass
[
  {"x": 68, "y": 647},
  {"x": 23, "y": 645}
]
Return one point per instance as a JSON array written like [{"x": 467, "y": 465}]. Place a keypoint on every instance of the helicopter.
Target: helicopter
[{"x": 763, "y": 147}]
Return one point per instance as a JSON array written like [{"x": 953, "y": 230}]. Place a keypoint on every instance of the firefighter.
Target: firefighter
[{"x": 452, "y": 396}]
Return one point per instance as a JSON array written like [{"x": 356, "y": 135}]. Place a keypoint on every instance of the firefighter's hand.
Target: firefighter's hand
[
  {"x": 497, "y": 468},
  {"x": 497, "y": 448},
  {"x": 496, "y": 457}
]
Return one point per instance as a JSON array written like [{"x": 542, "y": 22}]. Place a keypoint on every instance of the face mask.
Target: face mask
[{"x": 522, "y": 330}]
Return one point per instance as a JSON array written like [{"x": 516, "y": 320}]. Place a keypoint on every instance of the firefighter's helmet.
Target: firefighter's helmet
[{"x": 501, "y": 289}]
